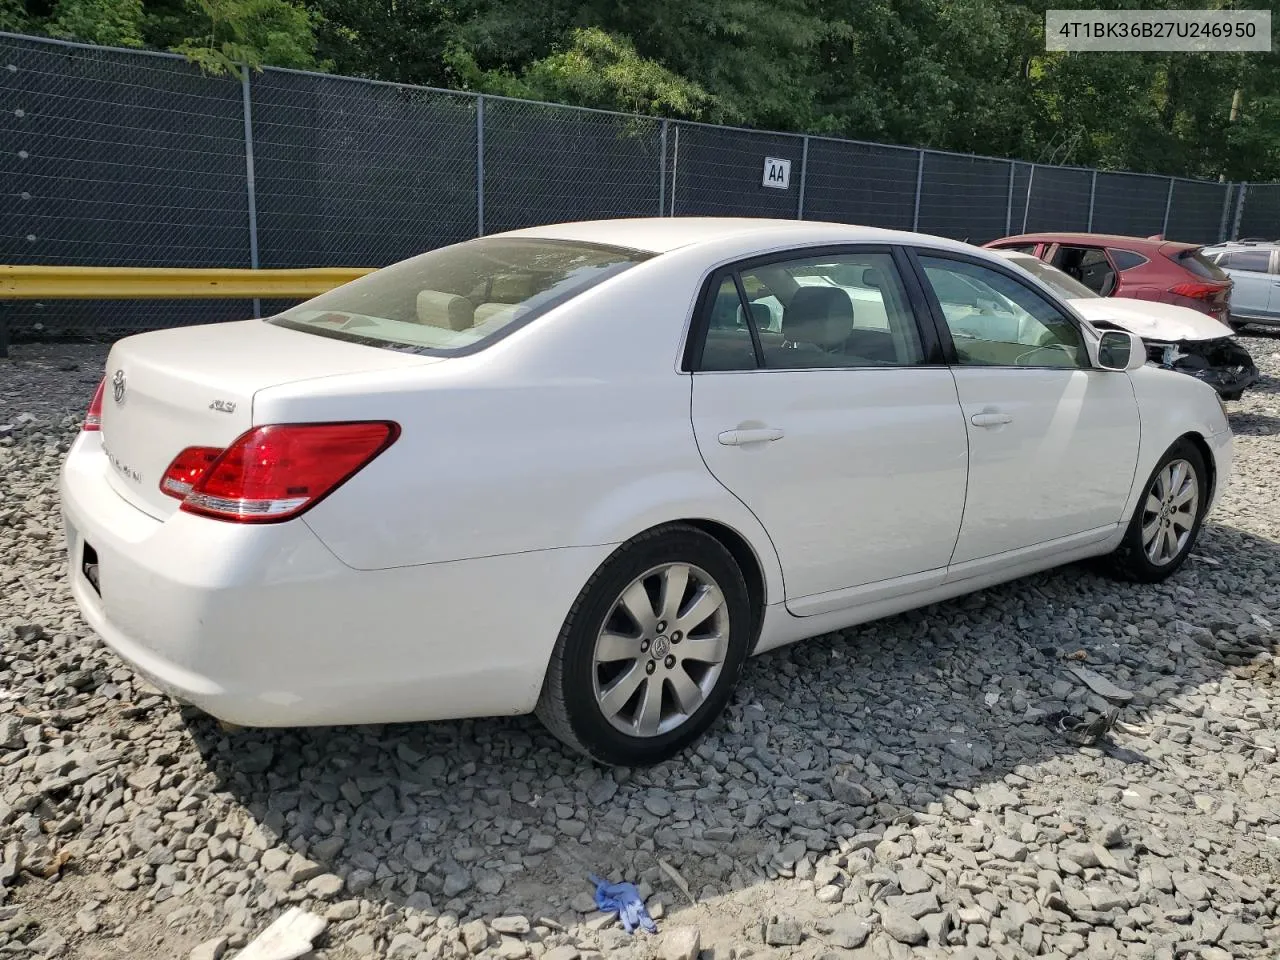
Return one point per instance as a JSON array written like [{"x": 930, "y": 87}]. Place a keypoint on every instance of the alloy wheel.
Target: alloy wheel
[
  {"x": 1169, "y": 512},
  {"x": 660, "y": 650}
]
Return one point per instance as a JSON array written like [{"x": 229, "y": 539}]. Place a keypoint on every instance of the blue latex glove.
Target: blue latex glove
[{"x": 624, "y": 900}]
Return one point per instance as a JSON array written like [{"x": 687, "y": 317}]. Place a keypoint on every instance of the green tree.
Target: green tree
[
  {"x": 252, "y": 32},
  {"x": 964, "y": 75},
  {"x": 596, "y": 70},
  {"x": 14, "y": 17},
  {"x": 217, "y": 34},
  {"x": 404, "y": 41},
  {"x": 115, "y": 23}
]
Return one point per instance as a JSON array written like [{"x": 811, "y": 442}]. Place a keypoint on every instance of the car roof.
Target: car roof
[
  {"x": 1245, "y": 245},
  {"x": 663, "y": 234},
  {"x": 1098, "y": 240}
]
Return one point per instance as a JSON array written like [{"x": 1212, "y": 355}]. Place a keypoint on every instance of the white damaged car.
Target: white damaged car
[
  {"x": 1177, "y": 338},
  {"x": 586, "y": 470}
]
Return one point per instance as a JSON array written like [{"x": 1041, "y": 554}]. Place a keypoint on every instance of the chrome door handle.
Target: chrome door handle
[
  {"x": 990, "y": 419},
  {"x": 736, "y": 438}
]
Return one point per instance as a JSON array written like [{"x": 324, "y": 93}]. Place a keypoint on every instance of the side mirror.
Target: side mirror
[{"x": 1121, "y": 350}]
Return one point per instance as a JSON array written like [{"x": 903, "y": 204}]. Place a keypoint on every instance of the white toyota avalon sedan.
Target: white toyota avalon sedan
[{"x": 587, "y": 470}]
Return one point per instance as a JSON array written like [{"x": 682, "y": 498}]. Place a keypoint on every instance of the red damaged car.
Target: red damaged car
[{"x": 1150, "y": 268}]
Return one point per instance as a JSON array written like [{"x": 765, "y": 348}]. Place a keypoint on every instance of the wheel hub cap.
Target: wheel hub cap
[
  {"x": 1169, "y": 512},
  {"x": 661, "y": 650}
]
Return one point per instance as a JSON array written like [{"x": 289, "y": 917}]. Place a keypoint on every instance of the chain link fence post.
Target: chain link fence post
[
  {"x": 250, "y": 186},
  {"x": 1227, "y": 189},
  {"x": 662, "y": 170},
  {"x": 1235, "y": 225},
  {"x": 1168, "y": 205},
  {"x": 675, "y": 168},
  {"x": 804, "y": 169},
  {"x": 915, "y": 216},
  {"x": 1008, "y": 203},
  {"x": 1026, "y": 208},
  {"x": 1093, "y": 195},
  {"x": 480, "y": 166}
]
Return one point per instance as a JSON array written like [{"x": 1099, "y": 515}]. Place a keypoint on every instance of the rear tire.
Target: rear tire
[
  {"x": 634, "y": 690},
  {"x": 1167, "y": 519}
]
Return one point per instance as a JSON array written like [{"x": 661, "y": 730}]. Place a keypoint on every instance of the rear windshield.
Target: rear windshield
[
  {"x": 460, "y": 298},
  {"x": 1200, "y": 265}
]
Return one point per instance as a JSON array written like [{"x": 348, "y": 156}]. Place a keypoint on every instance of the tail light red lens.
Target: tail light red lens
[
  {"x": 187, "y": 467},
  {"x": 1197, "y": 291},
  {"x": 93, "y": 418},
  {"x": 273, "y": 473}
]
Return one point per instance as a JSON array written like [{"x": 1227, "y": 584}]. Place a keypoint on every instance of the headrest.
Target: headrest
[
  {"x": 872, "y": 277},
  {"x": 512, "y": 288},
  {"x": 448, "y": 310},
  {"x": 497, "y": 314},
  {"x": 818, "y": 315}
]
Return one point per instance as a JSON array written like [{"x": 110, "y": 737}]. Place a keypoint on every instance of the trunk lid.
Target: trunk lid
[{"x": 194, "y": 386}]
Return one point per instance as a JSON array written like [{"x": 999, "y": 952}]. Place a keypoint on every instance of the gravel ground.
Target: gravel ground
[{"x": 890, "y": 791}]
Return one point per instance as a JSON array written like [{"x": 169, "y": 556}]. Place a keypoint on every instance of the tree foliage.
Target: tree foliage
[
  {"x": 219, "y": 35},
  {"x": 966, "y": 75}
]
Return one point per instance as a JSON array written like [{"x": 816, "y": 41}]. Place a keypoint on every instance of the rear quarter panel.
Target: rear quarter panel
[{"x": 573, "y": 431}]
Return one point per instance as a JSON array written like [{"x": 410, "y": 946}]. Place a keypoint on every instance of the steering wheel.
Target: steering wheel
[{"x": 1022, "y": 360}]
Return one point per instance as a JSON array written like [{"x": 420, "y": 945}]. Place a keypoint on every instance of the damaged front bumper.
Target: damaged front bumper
[{"x": 1221, "y": 363}]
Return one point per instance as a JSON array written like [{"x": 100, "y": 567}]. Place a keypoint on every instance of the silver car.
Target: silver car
[{"x": 1254, "y": 265}]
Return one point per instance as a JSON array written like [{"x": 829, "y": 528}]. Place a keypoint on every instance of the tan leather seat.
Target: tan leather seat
[{"x": 819, "y": 316}]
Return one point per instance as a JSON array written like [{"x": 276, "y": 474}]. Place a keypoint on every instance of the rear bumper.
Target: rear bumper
[{"x": 261, "y": 625}]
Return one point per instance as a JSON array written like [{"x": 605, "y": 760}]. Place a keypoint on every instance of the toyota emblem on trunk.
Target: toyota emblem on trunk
[{"x": 117, "y": 386}]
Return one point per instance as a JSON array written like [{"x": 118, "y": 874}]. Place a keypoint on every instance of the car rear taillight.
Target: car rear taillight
[
  {"x": 276, "y": 472},
  {"x": 187, "y": 467},
  {"x": 1197, "y": 291},
  {"x": 93, "y": 418}
]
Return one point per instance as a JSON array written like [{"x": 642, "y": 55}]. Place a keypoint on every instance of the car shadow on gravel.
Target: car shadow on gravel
[
  {"x": 924, "y": 713},
  {"x": 1254, "y": 425}
]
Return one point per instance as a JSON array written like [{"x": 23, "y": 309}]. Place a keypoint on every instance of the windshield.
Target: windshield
[
  {"x": 459, "y": 298},
  {"x": 1057, "y": 281}
]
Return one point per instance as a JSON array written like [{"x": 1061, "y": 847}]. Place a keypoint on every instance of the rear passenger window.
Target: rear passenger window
[
  {"x": 1126, "y": 259},
  {"x": 1254, "y": 261},
  {"x": 847, "y": 310},
  {"x": 728, "y": 345},
  {"x": 842, "y": 310}
]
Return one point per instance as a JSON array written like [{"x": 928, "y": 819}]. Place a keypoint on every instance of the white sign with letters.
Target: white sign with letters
[{"x": 777, "y": 173}]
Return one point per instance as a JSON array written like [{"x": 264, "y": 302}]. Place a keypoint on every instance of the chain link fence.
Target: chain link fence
[{"x": 115, "y": 157}]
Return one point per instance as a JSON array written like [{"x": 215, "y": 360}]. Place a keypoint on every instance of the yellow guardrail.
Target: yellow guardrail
[{"x": 45, "y": 282}]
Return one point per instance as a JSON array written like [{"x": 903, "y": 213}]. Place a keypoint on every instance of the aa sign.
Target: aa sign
[{"x": 777, "y": 173}]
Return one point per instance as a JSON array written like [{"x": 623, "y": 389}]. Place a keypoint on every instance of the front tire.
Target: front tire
[
  {"x": 651, "y": 649},
  {"x": 1167, "y": 519}
]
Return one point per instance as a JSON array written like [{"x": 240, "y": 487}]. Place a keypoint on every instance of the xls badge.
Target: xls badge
[
  {"x": 124, "y": 469},
  {"x": 117, "y": 386}
]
